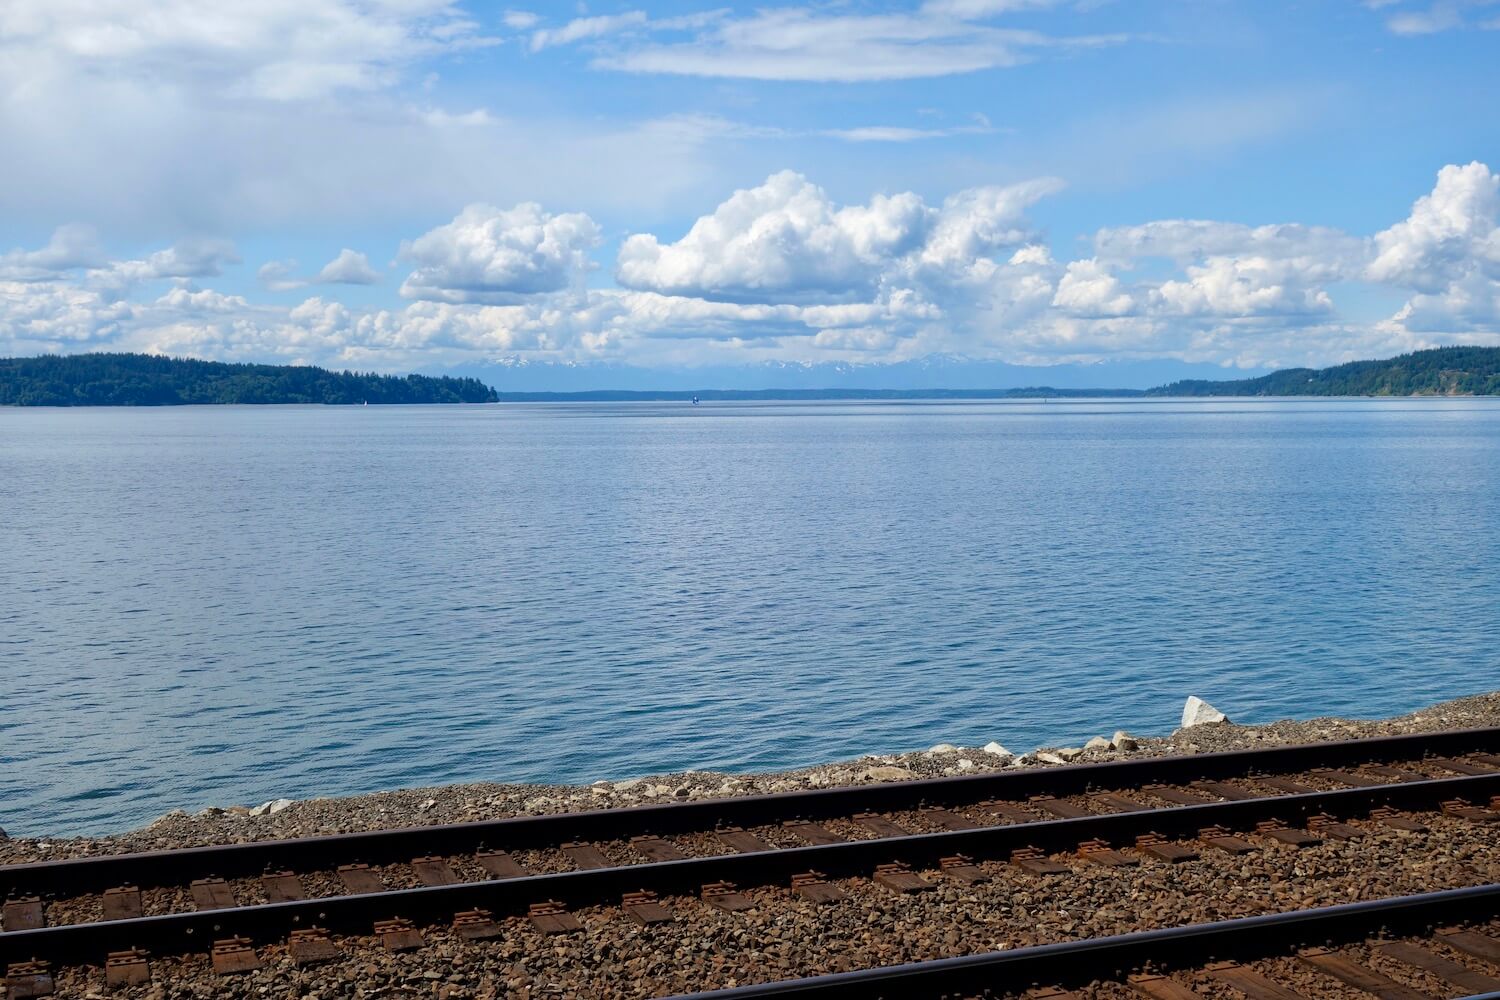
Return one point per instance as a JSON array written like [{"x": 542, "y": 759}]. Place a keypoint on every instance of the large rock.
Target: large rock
[
  {"x": 1198, "y": 712},
  {"x": 270, "y": 808},
  {"x": 887, "y": 773},
  {"x": 1123, "y": 741},
  {"x": 997, "y": 750},
  {"x": 1098, "y": 743}
]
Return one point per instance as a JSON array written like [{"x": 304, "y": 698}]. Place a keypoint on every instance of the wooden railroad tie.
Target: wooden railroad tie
[
  {"x": 311, "y": 945},
  {"x": 22, "y": 914},
  {"x": 282, "y": 887},
  {"x": 726, "y": 896},
  {"x": 1159, "y": 847},
  {"x": 234, "y": 955},
  {"x": 899, "y": 877},
  {"x": 25, "y": 980},
  {"x": 123, "y": 902},
  {"x": 476, "y": 925},
  {"x": 127, "y": 968},
  {"x": 1029, "y": 859},
  {"x": 815, "y": 887},
  {"x": 961, "y": 868},
  {"x": 434, "y": 871},
  {"x": 552, "y": 917},
  {"x": 1220, "y": 838},
  {"x": 644, "y": 908},
  {"x": 499, "y": 864},
  {"x": 398, "y": 934},
  {"x": 1281, "y": 833},
  {"x": 1397, "y": 820},
  {"x": 1100, "y": 853}
]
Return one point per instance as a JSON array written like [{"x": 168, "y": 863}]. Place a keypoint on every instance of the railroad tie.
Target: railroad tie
[
  {"x": 1461, "y": 766},
  {"x": 1359, "y": 976},
  {"x": 359, "y": 879},
  {"x": 1007, "y": 811},
  {"x": 1491, "y": 759},
  {"x": 1224, "y": 790},
  {"x": 1059, "y": 807},
  {"x": 282, "y": 887},
  {"x": 814, "y": 833},
  {"x": 1289, "y": 785},
  {"x": 123, "y": 902},
  {"x": 476, "y": 925},
  {"x": 1397, "y": 820},
  {"x": 211, "y": 894},
  {"x": 1115, "y": 802},
  {"x": 1328, "y": 826},
  {"x": 746, "y": 843},
  {"x": 434, "y": 871},
  {"x": 584, "y": 856},
  {"x": 1162, "y": 988},
  {"x": 950, "y": 820},
  {"x": 1281, "y": 833},
  {"x": 961, "y": 868},
  {"x": 899, "y": 877},
  {"x": 1348, "y": 778},
  {"x": 1249, "y": 982},
  {"x": 551, "y": 917},
  {"x": 657, "y": 849},
  {"x": 881, "y": 826},
  {"x": 499, "y": 864},
  {"x": 644, "y": 908},
  {"x": 1467, "y": 810},
  {"x": 234, "y": 955},
  {"x": 22, "y": 914},
  {"x": 1100, "y": 853},
  {"x": 1444, "y": 968},
  {"x": 815, "y": 888},
  {"x": 1177, "y": 796},
  {"x": 127, "y": 968},
  {"x": 1159, "y": 847},
  {"x": 311, "y": 945},
  {"x": 398, "y": 934},
  {"x": 24, "y": 980},
  {"x": 1049, "y": 993},
  {"x": 1030, "y": 859},
  {"x": 1481, "y": 946},
  {"x": 1394, "y": 773},
  {"x": 1220, "y": 838},
  {"x": 726, "y": 896}
]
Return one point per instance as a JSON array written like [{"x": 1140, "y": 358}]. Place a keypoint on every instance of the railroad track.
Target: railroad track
[
  {"x": 1449, "y": 940},
  {"x": 470, "y": 876}
]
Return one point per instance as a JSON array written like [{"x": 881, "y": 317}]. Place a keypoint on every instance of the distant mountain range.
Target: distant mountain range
[
  {"x": 150, "y": 380},
  {"x": 1442, "y": 371}
]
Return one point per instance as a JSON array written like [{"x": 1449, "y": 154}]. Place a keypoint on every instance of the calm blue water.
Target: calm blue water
[{"x": 204, "y": 606}]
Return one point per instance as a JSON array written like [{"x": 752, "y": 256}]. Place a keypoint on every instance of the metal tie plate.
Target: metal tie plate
[
  {"x": 211, "y": 894},
  {"x": 434, "y": 871},
  {"x": 880, "y": 825},
  {"x": 726, "y": 896},
  {"x": 815, "y": 887},
  {"x": 476, "y": 925},
  {"x": 657, "y": 849},
  {"x": 814, "y": 833},
  {"x": 127, "y": 968},
  {"x": 232, "y": 956},
  {"x": 552, "y": 917},
  {"x": 24, "y": 980},
  {"x": 1159, "y": 847},
  {"x": 1100, "y": 853},
  {"x": 1029, "y": 859},
  {"x": 1358, "y": 976},
  {"x": 1249, "y": 982},
  {"x": 500, "y": 864},
  {"x": 359, "y": 879},
  {"x": 584, "y": 856},
  {"x": 745, "y": 843},
  {"x": 282, "y": 887},
  {"x": 310, "y": 946},
  {"x": 122, "y": 903},
  {"x": 398, "y": 934},
  {"x": 899, "y": 877},
  {"x": 24, "y": 914},
  {"x": 1217, "y": 836},
  {"x": 644, "y": 908}
]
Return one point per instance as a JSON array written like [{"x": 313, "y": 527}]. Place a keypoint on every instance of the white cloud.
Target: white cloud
[
  {"x": 348, "y": 268},
  {"x": 800, "y": 43},
  {"x": 586, "y": 27},
  {"x": 70, "y": 247},
  {"x": 1432, "y": 18},
  {"x": 487, "y": 254}
]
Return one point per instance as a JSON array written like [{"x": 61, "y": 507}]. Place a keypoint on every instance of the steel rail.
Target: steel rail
[
  {"x": 173, "y": 867},
  {"x": 1073, "y": 963},
  {"x": 185, "y": 932}
]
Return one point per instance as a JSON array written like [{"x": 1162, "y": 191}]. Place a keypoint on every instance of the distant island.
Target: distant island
[
  {"x": 151, "y": 380},
  {"x": 682, "y": 396},
  {"x": 1442, "y": 371}
]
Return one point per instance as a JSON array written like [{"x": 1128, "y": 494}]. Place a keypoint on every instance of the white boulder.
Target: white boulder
[
  {"x": 270, "y": 808},
  {"x": 1123, "y": 741},
  {"x": 1098, "y": 743},
  {"x": 997, "y": 750},
  {"x": 1197, "y": 712},
  {"x": 944, "y": 748}
]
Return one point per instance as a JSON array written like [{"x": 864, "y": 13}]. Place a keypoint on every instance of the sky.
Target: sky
[{"x": 399, "y": 185}]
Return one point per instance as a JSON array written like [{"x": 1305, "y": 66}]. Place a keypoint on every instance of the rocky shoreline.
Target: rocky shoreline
[{"x": 283, "y": 818}]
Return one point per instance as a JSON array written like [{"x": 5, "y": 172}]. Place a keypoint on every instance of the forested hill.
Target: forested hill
[
  {"x": 1443, "y": 371},
  {"x": 150, "y": 380}
]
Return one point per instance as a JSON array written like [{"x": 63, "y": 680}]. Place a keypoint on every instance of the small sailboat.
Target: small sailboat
[{"x": 695, "y": 400}]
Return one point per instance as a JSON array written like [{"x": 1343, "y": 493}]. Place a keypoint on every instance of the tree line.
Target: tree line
[{"x": 1442, "y": 371}]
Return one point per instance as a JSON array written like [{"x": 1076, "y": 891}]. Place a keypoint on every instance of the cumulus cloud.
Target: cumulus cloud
[
  {"x": 349, "y": 268},
  {"x": 488, "y": 254},
  {"x": 781, "y": 271}
]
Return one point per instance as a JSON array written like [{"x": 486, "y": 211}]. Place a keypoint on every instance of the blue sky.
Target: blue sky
[{"x": 397, "y": 184}]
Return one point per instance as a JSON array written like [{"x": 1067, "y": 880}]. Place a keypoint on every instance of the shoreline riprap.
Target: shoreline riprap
[{"x": 284, "y": 818}]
